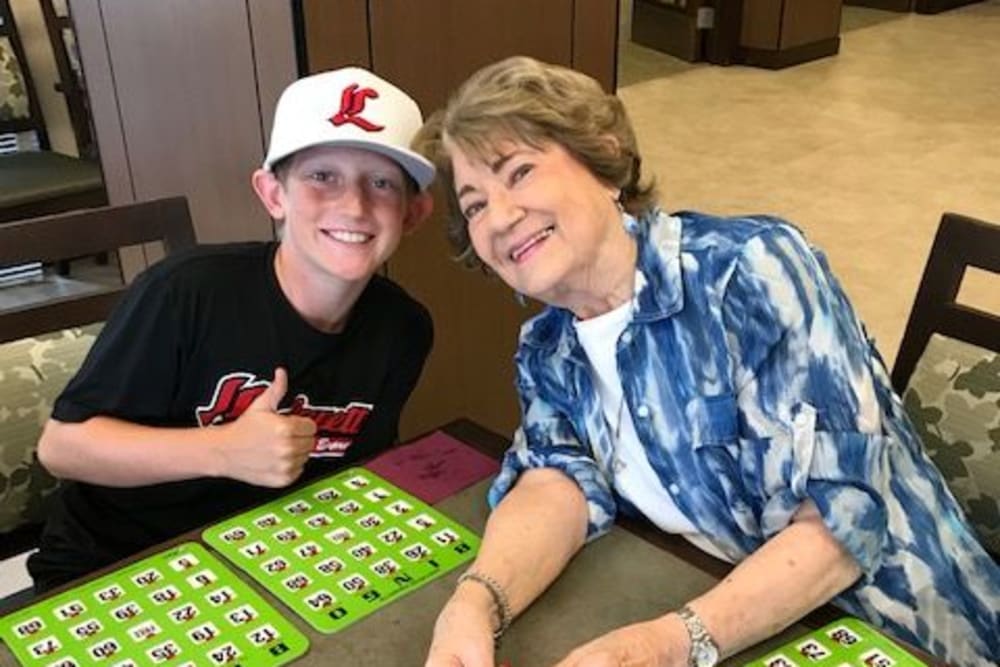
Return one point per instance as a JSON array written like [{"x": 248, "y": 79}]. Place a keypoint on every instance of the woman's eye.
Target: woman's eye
[
  {"x": 520, "y": 172},
  {"x": 321, "y": 176},
  {"x": 472, "y": 210}
]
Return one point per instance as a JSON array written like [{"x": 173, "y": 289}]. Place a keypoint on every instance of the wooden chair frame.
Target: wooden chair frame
[
  {"x": 57, "y": 237},
  {"x": 35, "y": 122},
  {"x": 960, "y": 242},
  {"x": 88, "y": 232}
]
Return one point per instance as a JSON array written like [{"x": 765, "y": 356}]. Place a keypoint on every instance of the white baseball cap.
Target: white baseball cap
[{"x": 349, "y": 107}]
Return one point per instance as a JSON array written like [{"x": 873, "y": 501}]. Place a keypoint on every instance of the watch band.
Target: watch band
[{"x": 704, "y": 650}]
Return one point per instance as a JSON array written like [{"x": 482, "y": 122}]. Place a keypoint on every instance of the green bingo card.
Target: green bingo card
[
  {"x": 338, "y": 549},
  {"x": 181, "y": 607},
  {"x": 847, "y": 642}
]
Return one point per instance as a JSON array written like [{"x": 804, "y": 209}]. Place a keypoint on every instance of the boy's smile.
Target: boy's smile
[{"x": 344, "y": 211}]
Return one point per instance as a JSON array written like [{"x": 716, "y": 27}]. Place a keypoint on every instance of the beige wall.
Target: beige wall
[{"x": 42, "y": 63}]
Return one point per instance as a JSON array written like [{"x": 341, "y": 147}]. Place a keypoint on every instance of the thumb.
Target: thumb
[{"x": 270, "y": 398}]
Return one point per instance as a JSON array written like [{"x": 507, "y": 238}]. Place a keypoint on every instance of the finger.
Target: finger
[
  {"x": 444, "y": 661},
  {"x": 580, "y": 657},
  {"x": 270, "y": 398},
  {"x": 303, "y": 455},
  {"x": 303, "y": 427},
  {"x": 289, "y": 471}
]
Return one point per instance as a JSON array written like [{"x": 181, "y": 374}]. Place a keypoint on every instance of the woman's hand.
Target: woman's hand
[
  {"x": 662, "y": 642},
  {"x": 463, "y": 633}
]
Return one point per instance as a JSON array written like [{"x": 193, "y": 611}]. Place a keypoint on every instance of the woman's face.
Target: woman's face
[{"x": 537, "y": 217}]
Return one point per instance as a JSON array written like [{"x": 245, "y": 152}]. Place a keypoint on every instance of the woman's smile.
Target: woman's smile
[{"x": 526, "y": 247}]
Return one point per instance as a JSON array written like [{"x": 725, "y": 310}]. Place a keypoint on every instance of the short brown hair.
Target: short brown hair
[{"x": 532, "y": 102}]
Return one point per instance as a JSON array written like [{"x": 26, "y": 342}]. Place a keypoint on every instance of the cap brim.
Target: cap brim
[{"x": 417, "y": 166}]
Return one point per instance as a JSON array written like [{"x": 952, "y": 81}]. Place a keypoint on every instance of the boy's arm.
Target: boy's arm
[{"x": 261, "y": 447}]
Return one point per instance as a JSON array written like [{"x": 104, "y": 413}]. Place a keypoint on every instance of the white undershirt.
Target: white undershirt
[{"x": 633, "y": 477}]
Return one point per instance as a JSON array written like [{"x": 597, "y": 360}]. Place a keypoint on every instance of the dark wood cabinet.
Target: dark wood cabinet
[
  {"x": 779, "y": 33},
  {"x": 919, "y": 6},
  {"x": 764, "y": 33}
]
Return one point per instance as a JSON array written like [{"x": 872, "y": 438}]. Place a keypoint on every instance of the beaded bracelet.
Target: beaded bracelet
[{"x": 499, "y": 599}]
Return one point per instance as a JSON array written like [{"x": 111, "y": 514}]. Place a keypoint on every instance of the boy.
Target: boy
[{"x": 232, "y": 371}]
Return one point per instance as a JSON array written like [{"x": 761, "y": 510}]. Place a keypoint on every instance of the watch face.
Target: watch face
[{"x": 705, "y": 654}]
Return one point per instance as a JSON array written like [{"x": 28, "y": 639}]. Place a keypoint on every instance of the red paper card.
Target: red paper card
[{"x": 434, "y": 467}]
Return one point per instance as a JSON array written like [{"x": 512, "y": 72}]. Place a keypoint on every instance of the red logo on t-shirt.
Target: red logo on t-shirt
[
  {"x": 352, "y": 105},
  {"x": 336, "y": 426}
]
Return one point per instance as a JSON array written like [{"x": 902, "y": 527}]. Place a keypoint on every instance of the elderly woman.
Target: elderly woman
[{"x": 706, "y": 373}]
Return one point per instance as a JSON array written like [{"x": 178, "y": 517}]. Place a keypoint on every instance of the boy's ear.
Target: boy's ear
[
  {"x": 418, "y": 209},
  {"x": 270, "y": 191}
]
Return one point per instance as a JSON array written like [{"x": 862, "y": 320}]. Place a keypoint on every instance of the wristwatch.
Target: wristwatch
[{"x": 704, "y": 650}]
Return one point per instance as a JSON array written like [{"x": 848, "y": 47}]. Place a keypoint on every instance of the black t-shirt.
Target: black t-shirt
[{"x": 195, "y": 338}]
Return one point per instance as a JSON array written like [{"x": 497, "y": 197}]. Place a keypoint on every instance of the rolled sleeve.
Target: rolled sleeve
[
  {"x": 546, "y": 439},
  {"x": 807, "y": 395},
  {"x": 839, "y": 473}
]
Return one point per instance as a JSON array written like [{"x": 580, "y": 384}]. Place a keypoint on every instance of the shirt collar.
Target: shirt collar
[{"x": 658, "y": 291}]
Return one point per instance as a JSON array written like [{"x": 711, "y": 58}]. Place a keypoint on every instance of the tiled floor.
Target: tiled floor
[{"x": 863, "y": 150}]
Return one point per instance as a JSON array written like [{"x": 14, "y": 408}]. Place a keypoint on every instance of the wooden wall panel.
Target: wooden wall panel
[
  {"x": 595, "y": 40},
  {"x": 470, "y": 372},
  {"x": 431, "y": 46},
  {"x": 92, "y": 42},
  {"x": 428, "y": 48},
  {"x": 187, "y": 94},
  {"x": 476, "y": 320},
  {"x": 274, "y": 38},
  {"x": 336, "y": 33}
]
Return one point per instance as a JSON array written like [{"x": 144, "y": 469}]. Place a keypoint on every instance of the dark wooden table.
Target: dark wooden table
[{"x": 632, "y": 574}]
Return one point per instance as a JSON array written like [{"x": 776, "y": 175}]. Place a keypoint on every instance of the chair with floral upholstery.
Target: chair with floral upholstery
[
  {"x": 948, "y": 372},
  {"x": 47, "y": 325},
  {"x": 35, "y": 180}
]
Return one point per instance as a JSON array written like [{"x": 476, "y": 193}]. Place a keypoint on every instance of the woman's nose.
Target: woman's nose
[{"x": 505, "y": 212}]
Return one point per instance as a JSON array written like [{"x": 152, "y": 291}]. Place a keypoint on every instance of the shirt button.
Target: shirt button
[
  {"x": 674, "y": 489},
  {"x": 627, "y": 337},
  {"x": 643, "y": 411}
]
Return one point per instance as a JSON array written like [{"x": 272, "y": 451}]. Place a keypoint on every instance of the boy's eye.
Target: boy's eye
[
  {"x": 381, "y": 183},
  {"x": 321, "y": 176}
]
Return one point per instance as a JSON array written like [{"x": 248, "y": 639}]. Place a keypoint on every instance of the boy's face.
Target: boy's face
[{"x": 344, "y": 210}]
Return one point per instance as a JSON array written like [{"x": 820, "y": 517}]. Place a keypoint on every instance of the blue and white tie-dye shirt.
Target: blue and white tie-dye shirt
[{"x": 753, "y": 387}]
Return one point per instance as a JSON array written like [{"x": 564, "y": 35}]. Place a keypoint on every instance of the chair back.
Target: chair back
[
  {"x": 19, "y": 111},
  {"x": 961, "y": 242},
  {"x": 948, "y": 372},
  {"x": 59, "y": 303},
  {"x": 47, "y": 325},
  {"x": 35, "y": 180}
]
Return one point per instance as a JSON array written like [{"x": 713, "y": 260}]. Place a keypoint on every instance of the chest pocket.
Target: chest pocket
[
  {"x": 714, "y": 423},
  {"x": 714, "y": 420},
  {"x": 714, "y": 431}
]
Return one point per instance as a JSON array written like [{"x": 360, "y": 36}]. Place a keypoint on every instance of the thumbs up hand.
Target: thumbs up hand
[{"x": 264, "y": 447}]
